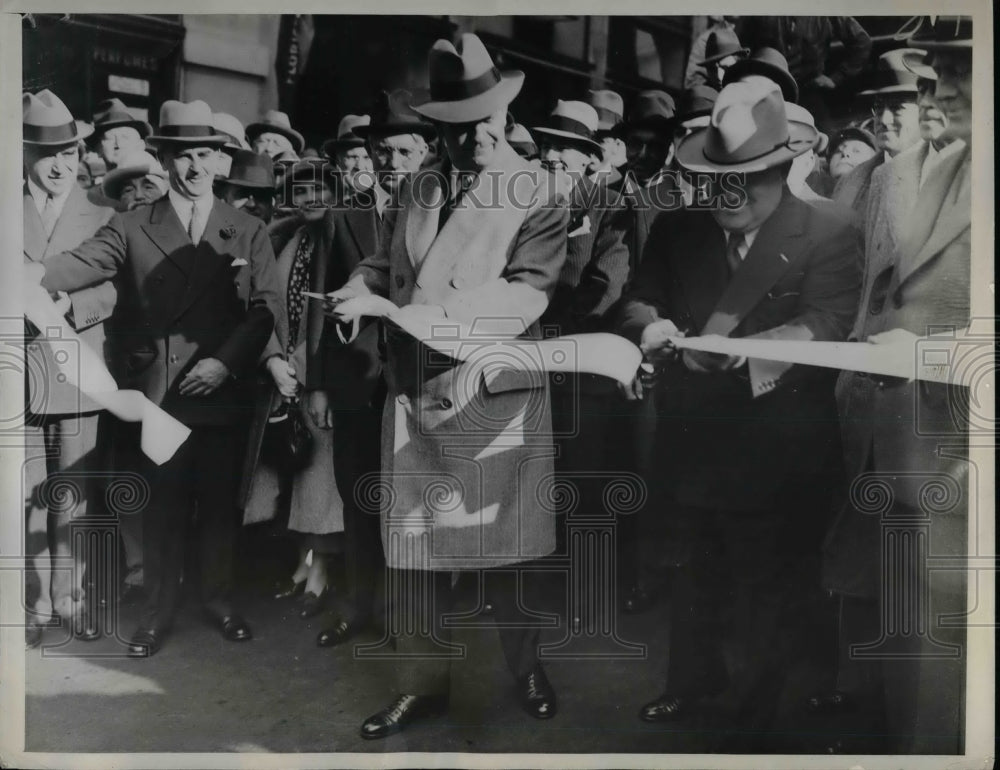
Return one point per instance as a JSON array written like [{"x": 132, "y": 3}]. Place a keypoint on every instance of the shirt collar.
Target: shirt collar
[
  {"x": 39, "y": 196},
  {"x": 381, "y": 198},
  {"x": 185, "y": 206},
  {"x": 749, "y": 237}
]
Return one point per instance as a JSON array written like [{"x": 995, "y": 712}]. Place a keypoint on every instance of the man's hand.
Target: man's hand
[
  {"x": 334, "y": 298},
  {"x": 63, "y": 303},
  {"x": 318, "y": 406},
  {"x": 706, "y": 363},
  {"x": 283, "y": 374},
  {"x": 823, "y": 81},
  {"x": 644, "y": 381},
  {"x": 655, "y": 342},
  {"x": 204, "y": 378},
  {"x": 353, "y": 309}
]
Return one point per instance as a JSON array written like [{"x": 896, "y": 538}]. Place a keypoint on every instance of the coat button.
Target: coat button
[
  {"x": 456, "y": 283},
  {"x": 237, "y": 284},
  {"x": 403, "y": 399},
  {"x": 446, "y": 403},
  {"x": 174, "y": 359},
  {"x": 400, "y": 282}
]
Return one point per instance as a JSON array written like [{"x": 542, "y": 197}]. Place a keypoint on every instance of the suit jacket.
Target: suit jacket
[
  {"x": 917, "y": 277},
  {"x": 180, "y": 303},
  {"x": 743, "y": 440},
  {"x": 465, "y": 451},
  {"x": 636, "y": 209},
  {"x": 852, "y": 189},
  {"x": 91, "y": 306},
  {"x": 348, "y": 372}
]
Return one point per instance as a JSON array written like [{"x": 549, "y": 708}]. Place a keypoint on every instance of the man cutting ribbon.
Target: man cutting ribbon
[{"x": 741, "y": 445}]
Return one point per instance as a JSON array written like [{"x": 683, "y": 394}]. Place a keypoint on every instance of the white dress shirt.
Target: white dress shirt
[
  {"x": 40, "y": 196},
  {"x": 184, "y": 207}
]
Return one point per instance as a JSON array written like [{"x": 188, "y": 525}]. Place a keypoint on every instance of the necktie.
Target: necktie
[
  {"x": 196, "y": 225},
  {"x": 736, "y": 241},
  {"x": 49, "y": 216}
]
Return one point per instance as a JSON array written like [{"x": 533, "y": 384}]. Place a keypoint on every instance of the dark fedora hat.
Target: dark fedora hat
[
  {"x": 721, "y": 43},
  {"x": 251, "y": 170},
  {"x": 187, "y": 123},
  {"x": 892, "y": 76},
  {"x": 465, "y": 84},
  {"x": 697, "y": 102},
  {"x": 572, "y": 123},
  {"x": 112, "y": 113},
  {"x": 749, "y": 131},
  {"x": 651, "y": 109},
  {"x": 391, "y": 114},
  {"x": 935, "y": 32},
  {"x": 770, "y": 63},
  {"x": 45, "y": 120}
]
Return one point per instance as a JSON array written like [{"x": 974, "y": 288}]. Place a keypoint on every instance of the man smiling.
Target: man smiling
[{"x": 198, "y": 305}]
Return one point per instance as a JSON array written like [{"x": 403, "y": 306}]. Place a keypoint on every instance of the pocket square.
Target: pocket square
[
  {"x": 238, "y": 262},
  {"x": 583, "y": 229}
]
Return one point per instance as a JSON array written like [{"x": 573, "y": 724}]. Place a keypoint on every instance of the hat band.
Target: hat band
[
  {"x": 114, "y": 117},
  {"x": 187, "y": 132},
  {"x": 569, "y": 125},
  {"x": 731, "y": 161},
  {"x": 889, "y": 79},
  {"x": 607, "y": 116},
  {"x": 50, "y": 134},
  {"x": 453, "y": 91}
]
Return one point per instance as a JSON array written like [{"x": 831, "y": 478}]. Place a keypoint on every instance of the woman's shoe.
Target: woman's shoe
[
  {"x": 313, "y": 604},
  {"x": 286, "y": 589}
]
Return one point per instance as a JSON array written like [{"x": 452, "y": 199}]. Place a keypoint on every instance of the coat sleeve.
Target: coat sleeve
[
  {"x": 242, "y": 350},
  {"x": 523, "y": 291},
  {"x": 646, "y": 299},
  {"x": 94, "y": 261},
  {"x": 93, "y": 305}
]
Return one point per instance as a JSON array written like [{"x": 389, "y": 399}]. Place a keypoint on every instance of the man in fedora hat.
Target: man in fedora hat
[
  {"x": 249, "y": 185},
  {"x": 722, "y": 51},
  {"x": 742, "y": 447},
  {"x": 485, "y": 241},
  {"x": 347, "y": 392},
  {"x": 893, "y": 103},
  {"x": 198, "y": 307},
  {"x": 274, "y": 136},
  {"x": 695, "y": 73},
  {"x": 610, "y": 112},
  {"x": 117, "y": 132},
  {"x": 62, "y": 428},
  {"x": 230, "y": 127},
  {"x": 349, "y": 153},
  {"x": 139, "y": 180},
  {"x": 917, "y": 280}
]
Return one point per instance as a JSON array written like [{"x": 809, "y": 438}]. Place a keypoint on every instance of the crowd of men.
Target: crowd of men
[{"x": 438, "y": 208}]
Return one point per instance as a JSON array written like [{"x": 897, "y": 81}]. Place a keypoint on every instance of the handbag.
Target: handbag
[{"x": 287, "y": 444}]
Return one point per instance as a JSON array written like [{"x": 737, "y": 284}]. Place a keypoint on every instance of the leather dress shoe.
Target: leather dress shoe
[
  {"x": 833, "y": 702},
  {"x": 536, "y": 694},
  {"x": 666, "y": 708},
  {"x": 312, "y": 604},
  {"x": 401, "y": 712},
  {"x": 235, "y": 629},
  {"x": 286, "y": 589},
  {"x": 337, "y": 634},
  {"x": 145, "y": 642}
]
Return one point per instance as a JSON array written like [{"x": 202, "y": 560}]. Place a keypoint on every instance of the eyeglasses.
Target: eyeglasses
[{"x": 896, "y": 107}]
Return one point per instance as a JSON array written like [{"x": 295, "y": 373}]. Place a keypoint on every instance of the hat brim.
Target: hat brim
[
  {"x": 903, "y": 89},
  {"x": 931, "y": 45},
  {"x": 214, "y": 140},
  {"x": 113, "y": 181},
  {"x": 856, "y": 134},
  {"x": 739, "y": 52},
  {"x": 789, "y": 88},
  {"x": 426, "y": 130},
  {"x": 476, "y": 107},
  {"x": 568, "y": 137},
  {"x": 330, "y": 146},
  {"x": 256, "y": 129},
  {"x": 921, "y": 70},
  {"x": 81, "y": 135},
  {"x": 244, "y": 183},
  {"x": 691, "y": 151}
]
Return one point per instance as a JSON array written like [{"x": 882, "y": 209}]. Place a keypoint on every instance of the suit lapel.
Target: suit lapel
[
  {"x": 166, "y": 232},
  {"x": 35, "y": 241},
  {"x": 362, "y": 225},
  {"x": 942, "y": 212},
  {"x": 702, "y": 269},
  {"x": 422, "y": 217},
  {"x": 772, "y": 254},
  {"x": 210, "y": 255}
]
